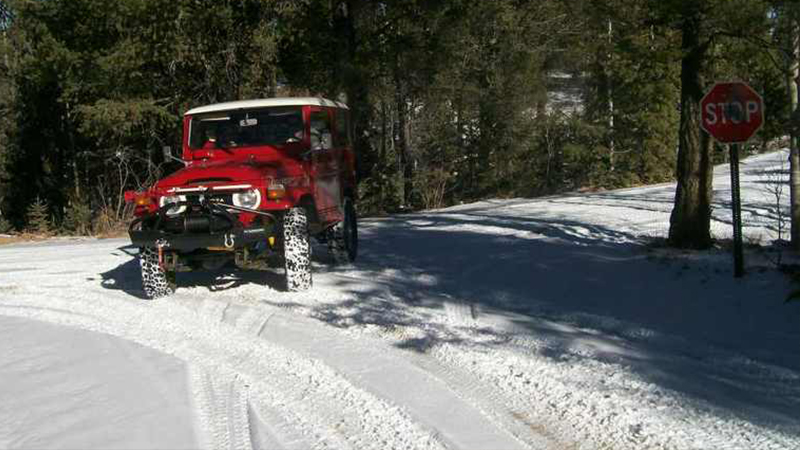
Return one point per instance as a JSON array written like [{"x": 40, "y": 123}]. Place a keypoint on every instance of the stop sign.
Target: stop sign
[{"x": 731, "y": 112}]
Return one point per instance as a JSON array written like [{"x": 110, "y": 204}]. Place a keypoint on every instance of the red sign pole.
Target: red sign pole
[{"x": 732, "y": 113}]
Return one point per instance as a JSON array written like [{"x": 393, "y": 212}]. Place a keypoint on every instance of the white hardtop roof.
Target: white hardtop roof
[{"x": 265, "y": 103}]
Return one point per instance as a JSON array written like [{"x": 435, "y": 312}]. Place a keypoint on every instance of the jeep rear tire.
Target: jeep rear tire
[
  {"x": 343, "y": 240},
  {"x": 156, "y": 282},
  {"x": 297, "y": 250}
]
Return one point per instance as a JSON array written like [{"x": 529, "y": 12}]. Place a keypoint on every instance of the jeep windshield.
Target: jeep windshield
[{"x": 246, "y": 128}]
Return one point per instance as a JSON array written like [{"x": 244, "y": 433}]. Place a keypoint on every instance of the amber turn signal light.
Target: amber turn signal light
[
  {"x": 276, "y": 192},
  {"x": 143, "y": 201}
]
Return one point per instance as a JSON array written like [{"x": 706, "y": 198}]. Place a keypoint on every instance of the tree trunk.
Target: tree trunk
[
  {"x": 383, "y": 152},
  {"x": 357, "y": 91},
  {"x": 5, "y": 53},
  {"x": 610, "y": 96},
  {"x": 402, "y": 136},
  {"x": 794, "y": 151},
  {"x": 690, "y": 221}
]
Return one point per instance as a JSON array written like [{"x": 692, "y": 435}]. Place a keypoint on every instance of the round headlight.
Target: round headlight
[
  {"x": 247, "y": 199},
  {"x": 175, "y": 210}
]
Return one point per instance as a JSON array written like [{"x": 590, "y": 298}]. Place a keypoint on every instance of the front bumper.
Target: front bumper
[
  {"x": 187, "y": 242},
  {"x": 212, "y": 228}
]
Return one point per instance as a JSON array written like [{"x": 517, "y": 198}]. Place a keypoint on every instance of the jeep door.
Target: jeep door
[{"x": 325, "y": 166}]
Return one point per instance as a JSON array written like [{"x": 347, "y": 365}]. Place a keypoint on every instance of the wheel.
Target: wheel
[
  {"x": 156, "y": 281},
  {"x": 297, "y": 250},
  {"x": 343, "y": 240}
]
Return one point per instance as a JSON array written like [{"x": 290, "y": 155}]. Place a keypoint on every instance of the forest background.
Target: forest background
[{"x": 452, "y": 101}]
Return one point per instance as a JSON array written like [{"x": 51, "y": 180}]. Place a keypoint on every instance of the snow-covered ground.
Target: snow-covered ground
[
  {"x": 565, "y": 93},
  {"x": 553, "y": 323}
]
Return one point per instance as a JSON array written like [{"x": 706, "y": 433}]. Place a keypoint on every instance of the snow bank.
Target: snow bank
[{"x": 546, "y": 323}]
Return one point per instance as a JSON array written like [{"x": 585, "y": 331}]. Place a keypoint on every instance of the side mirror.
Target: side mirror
[{"x": 167, "y": 152}]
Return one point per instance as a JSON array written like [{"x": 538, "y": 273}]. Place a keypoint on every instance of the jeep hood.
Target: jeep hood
[{"x": 207, "y": 172}]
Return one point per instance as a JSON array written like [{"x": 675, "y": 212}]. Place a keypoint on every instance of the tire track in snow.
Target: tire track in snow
[
  {"x": 490, "y": 402},
  {"x": 460, "y": 311},
  {"x": 562, "y": 400},
  {"x": 318, "y": 404},
  {"x": 509, "y": 415},
  {"x": 456, "y": 421},
  {"x": 212, "y": 410}
]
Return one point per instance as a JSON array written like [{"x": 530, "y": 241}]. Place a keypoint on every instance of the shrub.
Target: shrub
[
  {"x": 5, "y": 226},
  {"x": 39, "y": 218},
  {"x": 78, "y": 218},
  {"x": 107, "y": 224}
]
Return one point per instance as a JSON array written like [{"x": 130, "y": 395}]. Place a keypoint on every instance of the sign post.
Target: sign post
[
  {"x": 738, "y": 251},
  {"x": 732, "y": 113}
]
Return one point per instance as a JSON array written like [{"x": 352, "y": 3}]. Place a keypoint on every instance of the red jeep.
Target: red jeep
[{"x": 260, "y": 178}]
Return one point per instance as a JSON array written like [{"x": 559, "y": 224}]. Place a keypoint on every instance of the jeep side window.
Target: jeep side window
[
  {"x": 320, "y": 130},
  {"x": 291, "y": 129},
  {"x": 342, "y": 135}
]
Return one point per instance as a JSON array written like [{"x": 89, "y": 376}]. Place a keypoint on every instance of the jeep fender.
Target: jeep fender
[{"x": 307, "y": 203}]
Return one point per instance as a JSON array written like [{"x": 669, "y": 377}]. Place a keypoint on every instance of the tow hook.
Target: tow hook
[
  {"x": 160, "y": 244},
  {"x": 229, "y": 241}
]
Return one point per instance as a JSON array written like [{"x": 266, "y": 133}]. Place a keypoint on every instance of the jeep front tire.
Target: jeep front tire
[
  {"x": 156, "y": 282},
  {"x": 297, "y": 250}
]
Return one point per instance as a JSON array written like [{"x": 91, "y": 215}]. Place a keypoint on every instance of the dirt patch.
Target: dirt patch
[
  {"x": 541, "y": 430},
  {"x": 32, "y": 238},
  {"x": 114, "y": 234},
  {"x": 4, "y": 240}
]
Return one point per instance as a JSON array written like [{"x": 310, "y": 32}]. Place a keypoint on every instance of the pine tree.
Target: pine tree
[
  {"x": 78, "y": 218},
  {"x": 5, "y": 225},
  {"x": 706, "y": 28},
  {"x": 787, "y": 15},
  {"x": 632, "y": 91},
  {"x": 448, "y": 95},
  {"x": 39, "y": 217}
]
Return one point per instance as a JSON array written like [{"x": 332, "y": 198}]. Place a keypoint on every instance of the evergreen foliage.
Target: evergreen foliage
[
  {"x": 451, "y": 101},
  {"x": 78, "y": 218},
  {"x": 5, "y": 226},
  {"x": 38, "y": 218}
]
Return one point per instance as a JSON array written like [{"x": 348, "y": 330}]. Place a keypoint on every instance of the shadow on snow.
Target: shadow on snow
[
  {"x": 680, "y": 323},
  {"x": 587, "y": 291}
]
